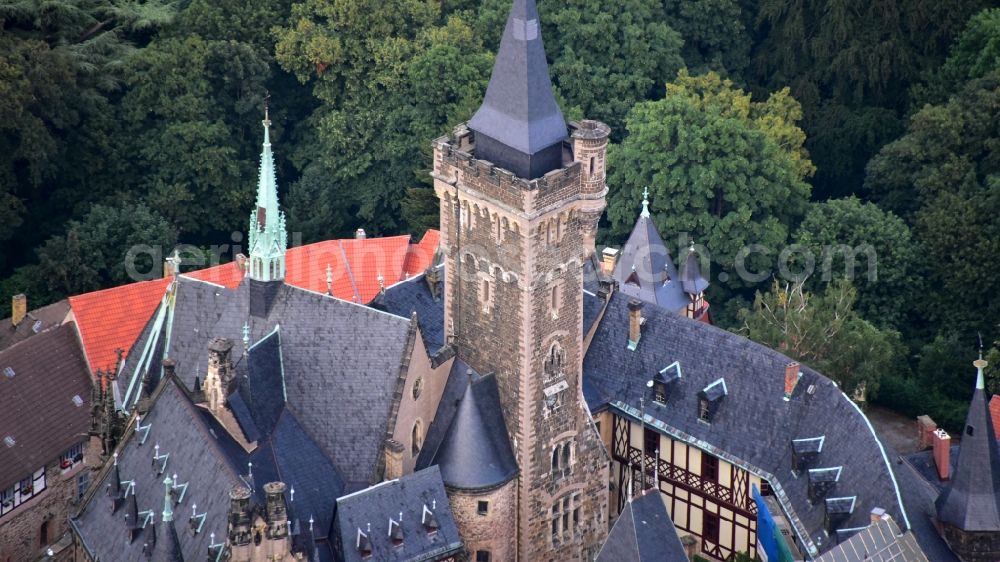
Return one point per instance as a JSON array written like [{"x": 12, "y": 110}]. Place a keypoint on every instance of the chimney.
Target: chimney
[
  {"x": 19, "y": 308},
  {"x": 241, "y": 263},
  {"x": 239, "y": 524},
  {"x": 393, "y": 459},
  {"x": 792, "y": 376},
  {"x": 925, "y": 432},
  {"x": 635, "y": 321},
  {"x": 277, "y": 518},
  {"x": 942, "y": 453},
  {"x": 609, "y": 260},
  {"x": 878, "y": 514},
  {"x": 359, "y": 234},
  {"x": 219, "y": 376}
]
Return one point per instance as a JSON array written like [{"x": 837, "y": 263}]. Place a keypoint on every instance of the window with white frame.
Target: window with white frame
[
  {"x": 14, "y": 496},
  {"x": 72, "y": 457}
]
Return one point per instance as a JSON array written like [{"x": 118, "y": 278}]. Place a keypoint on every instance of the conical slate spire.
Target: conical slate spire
[
  {"x": 268, "y": 238},
  {"x": 644, "y": 270},
  {"x": 972, "y": 500},
  {"x": 520, "y": 127},
  {"x": 693, "y": 281}
]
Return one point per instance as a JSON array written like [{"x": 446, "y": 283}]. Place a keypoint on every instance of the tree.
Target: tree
[
  {"x": 608, "y": 56},
  {"x": 943, "y": 176},
  {"x": 714, "y": 32},
  {"x": 727, "y": 170},
  {"x": 974, "y": 55},
  {"x": 824, "y": 332},
  {"x": 851, "y": 64},
  {"x": 110, "y": 246},
  {"x": 872, "y": 247},
  {"x": 384, "y": 103}
]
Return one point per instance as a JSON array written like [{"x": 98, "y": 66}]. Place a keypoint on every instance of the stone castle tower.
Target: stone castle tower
[{"x": 521, "y": 194}]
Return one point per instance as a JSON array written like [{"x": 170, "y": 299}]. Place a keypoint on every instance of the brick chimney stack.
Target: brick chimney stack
[
  {"x": 942, "y": 453},
  {"x": 609, "y": 260},
  {"x": 635, "y": 321},
  {"x": 19, "y": 308},
  {"x": 925, "y": 432},
  {"x": 393, "y": 459},
  {"x": 792, "y": 376}
]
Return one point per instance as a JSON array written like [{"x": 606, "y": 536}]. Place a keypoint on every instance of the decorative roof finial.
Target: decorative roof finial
[
  {"x": 645, "y": 202},
  {"x": 246, "y": 335},
  {"x": 329, "y": 280},
  {"x": 980, "y": 364},
  {"x": 168, "y": 508}
]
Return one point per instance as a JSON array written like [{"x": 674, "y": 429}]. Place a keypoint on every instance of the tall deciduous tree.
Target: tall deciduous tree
[
  {"x": 944, "y": 176},
  {"x": 606, "y": 56},
  {"x": 110, "y": 246},
  {"x": 719, "y": 166},
  {"x": 851, "y": 63},
  {"x": 391, "y": 78},
  {"x": 824, "y": 332},
  {"x": 873, "y": 248}
]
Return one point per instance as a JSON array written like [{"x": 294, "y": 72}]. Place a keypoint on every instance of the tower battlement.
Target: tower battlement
[{"x": 455, "y": 159}]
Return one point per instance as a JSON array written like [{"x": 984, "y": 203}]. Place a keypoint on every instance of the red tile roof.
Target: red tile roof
[
  {"x": 421, "y": 255},
  {"x": 112, "y": 319}
]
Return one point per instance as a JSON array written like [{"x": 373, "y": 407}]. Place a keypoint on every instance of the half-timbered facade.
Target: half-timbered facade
[{"x": 707, "y": 497}]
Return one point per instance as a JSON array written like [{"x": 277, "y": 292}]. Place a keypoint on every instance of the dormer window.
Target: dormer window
[
  {"x": 838, "y": 511},
  {"x": 806, "y": 451},
  {"x": 663, "y": 380},
  {"x": 364, "y": 544},
  {"x": 396, "y": 532},
  {"x": 822, "y": 481},
  {"x": 710, "y": 398}
]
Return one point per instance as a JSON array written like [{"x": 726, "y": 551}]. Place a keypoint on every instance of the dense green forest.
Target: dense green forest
[{"x": 770, "y": 122}]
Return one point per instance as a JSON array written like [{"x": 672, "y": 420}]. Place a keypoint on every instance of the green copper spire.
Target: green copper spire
[{"x": 268, "y": 238}]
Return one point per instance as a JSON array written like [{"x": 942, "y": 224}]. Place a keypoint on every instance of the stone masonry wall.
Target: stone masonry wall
[
  {"x": 513, "y": 301},
  {"x": 20, "y": 529},
  {"x": 494, "y": 530}
]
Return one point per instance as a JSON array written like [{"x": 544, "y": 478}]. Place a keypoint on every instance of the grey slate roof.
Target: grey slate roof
[
  {"x": 370, "y": 510},
  {"x": 918, "y": 496},
  {"x": 519, "y": 110},
  {"x": 203, "y": 454},
  {"x": 616, "y": 377},
  {"x": 38, "y": 411},
  {"x": 475, "y": 453},
  {"x": 413, "y": 295},
  {"x": 643, "y": 532},
  {"x": 640, "y": 268},
  {"x": 451, "y": 398},
  {"x": 195, "y": 456},
  {"x": 880, "y": 542},
  {"x": 168, "y": 545},
  {"x": 971, "y": 501},
  {"x": 340, "y": 361},
  {"x": 44, "y": 318},
  {"x": 692, "y": 280}
]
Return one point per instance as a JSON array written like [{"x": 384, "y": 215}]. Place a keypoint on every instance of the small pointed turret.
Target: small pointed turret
[
  {"x": 520, "y": 127},
  {"x": 968, "y": 510},
  {"x": 268, "y": 237},
  {"x": 167, "y": 545},
  {"x": 644, "y": 269}
]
